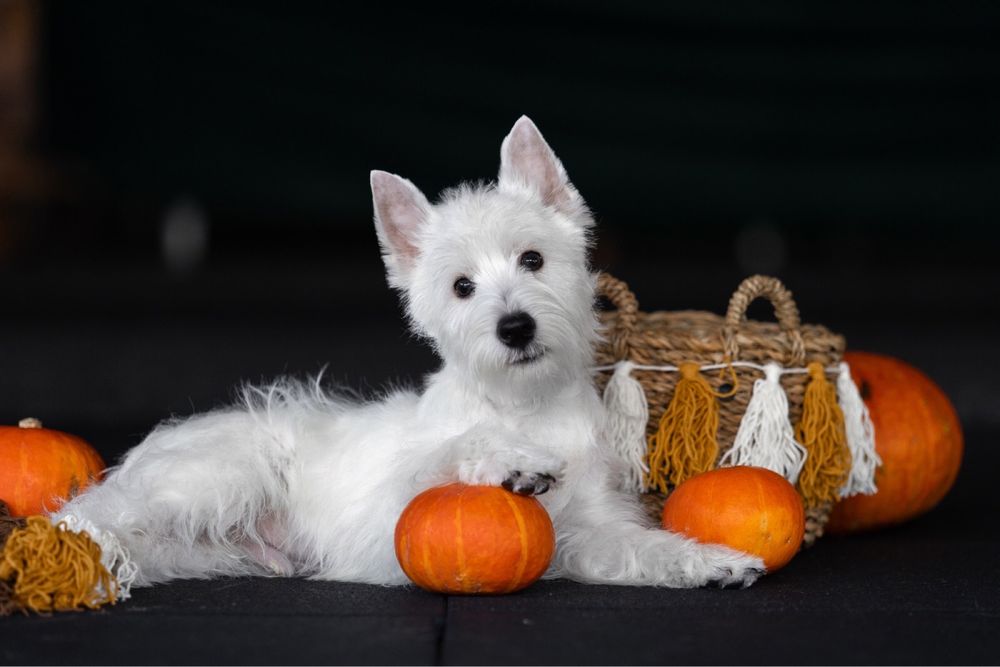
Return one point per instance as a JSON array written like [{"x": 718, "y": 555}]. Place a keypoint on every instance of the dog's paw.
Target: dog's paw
[
  {"x": 528, "y": 483},
  {"x": 728, "y": 568},
  {"x": 270, "y": 559},
  {"x": 740, "y": 578},
  {"x": 505, "y": 466}
]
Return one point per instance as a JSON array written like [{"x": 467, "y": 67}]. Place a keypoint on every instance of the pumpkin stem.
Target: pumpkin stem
[{"x": 30, "y": 422}]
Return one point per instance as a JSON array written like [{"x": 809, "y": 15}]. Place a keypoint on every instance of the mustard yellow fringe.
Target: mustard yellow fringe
[
  {"x": 821, "y": 432},
  {"x": 685, "y": 443},
  {"x": 53, "y": 569}
]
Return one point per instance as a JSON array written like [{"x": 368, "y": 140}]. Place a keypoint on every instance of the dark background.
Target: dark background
[
  {"x": 184, "y": 199},
  {"x": 193, "y": 207}
]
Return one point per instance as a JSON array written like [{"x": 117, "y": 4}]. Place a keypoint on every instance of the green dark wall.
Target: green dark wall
[{"x": 665, "y": 113}]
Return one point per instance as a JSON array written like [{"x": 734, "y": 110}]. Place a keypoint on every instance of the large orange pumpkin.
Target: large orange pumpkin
[
  {"x": 749, "y": 509},
  {"x": 474, "y": 539},
  {"x": 917, "y": 435},
  {"x": 40, "y": 467}
]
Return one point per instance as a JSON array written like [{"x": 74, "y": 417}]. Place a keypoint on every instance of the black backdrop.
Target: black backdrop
[
  {"x": 851, "y": 150},
  {"x": 667, "y": 112}
]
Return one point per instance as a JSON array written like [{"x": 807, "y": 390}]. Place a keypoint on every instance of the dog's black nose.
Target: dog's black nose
[{"x": 516, "y": 330}]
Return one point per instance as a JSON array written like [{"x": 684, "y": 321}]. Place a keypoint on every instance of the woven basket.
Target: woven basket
[{"x": 672, "y": 338}]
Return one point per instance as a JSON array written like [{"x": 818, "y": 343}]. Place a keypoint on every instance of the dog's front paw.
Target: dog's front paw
[
  {"x": 504, "y": 468},
  {"x": 728, "y": 568},
  {"x": 528, "y": 483}
]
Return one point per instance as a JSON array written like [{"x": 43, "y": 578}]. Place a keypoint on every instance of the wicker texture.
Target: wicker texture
[{"x": 672, "y": 338}]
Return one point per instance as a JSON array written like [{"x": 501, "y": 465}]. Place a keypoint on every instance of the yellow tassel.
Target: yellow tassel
[
  {"x": 685, "y": 443},
  {"x": 821, "y": 432},
  {"x": 54, "y": 569}
]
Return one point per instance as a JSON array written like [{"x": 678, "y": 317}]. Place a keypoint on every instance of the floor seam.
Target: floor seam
[{"x": 439, "y": 642}]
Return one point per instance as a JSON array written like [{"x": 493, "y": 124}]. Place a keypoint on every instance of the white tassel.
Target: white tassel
[
  {"x": 114, "y": 556},
  {"x": 765, "y": 438},
  {"x": 626, "y": 414},
  {"x": 860, "y": 437}
]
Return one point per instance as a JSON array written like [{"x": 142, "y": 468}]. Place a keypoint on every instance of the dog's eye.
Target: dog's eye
[
  {"x": 464, "y": 287},
  {"x": 531, "y": 260}
]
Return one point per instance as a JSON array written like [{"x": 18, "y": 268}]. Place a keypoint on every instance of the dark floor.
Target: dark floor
[{"x": 926, "y": 592}]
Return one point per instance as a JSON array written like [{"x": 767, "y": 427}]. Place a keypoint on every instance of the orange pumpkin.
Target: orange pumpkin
[
  {"x": 749, "y": 509},
  {"x": 40, "y": 467},
  {"x": 474, "y": 539},
  {"x": 917, "y": 435}
]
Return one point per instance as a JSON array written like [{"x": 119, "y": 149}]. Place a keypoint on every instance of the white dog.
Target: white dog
[{"x": 297, "y": 481}]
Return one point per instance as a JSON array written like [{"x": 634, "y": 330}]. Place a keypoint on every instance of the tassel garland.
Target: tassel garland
[
  {"x": 685, "y": 442},
  {"x": 72, "y": 564},
  {"x": 765, "y": 438},
  {"x": 821, "y": 432},
  {"x": 8, "y": 525},
  {"x": 860, "y": 437},
  {"x": 66, "y": 566},
  {"x": 626, "y": 414},
  {"x": 55, "y": 569},
  {"x": 114, "y": 556}
]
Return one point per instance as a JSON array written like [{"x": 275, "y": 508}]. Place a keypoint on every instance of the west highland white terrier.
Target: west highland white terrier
[{"x": 298, "y": 481}]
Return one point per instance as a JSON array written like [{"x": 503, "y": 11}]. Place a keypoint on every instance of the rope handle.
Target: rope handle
[
  {"x": 785, "y": 311},
  {"x": 623, "y": 299}
]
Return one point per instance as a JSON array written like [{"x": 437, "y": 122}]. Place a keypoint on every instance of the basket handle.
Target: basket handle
[
  {"x": 624, "y": 300},
  {"x": 785, "y": 310}
]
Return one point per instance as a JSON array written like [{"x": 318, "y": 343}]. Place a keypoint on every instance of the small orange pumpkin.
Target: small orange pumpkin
[
  {"x": 750, "y": 509},
  {"x": 474, "y": 539},
  {"x": 918, "y": 437},
  {"x": 40, "y": 467}
]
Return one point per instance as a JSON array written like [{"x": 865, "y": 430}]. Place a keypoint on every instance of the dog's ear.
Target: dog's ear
[
  {"x": 527, "y": 160},
  {"x": 401, "y": 210}
]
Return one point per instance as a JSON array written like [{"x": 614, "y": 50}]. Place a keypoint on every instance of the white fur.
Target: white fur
[{"x": 299, "y": 481}]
